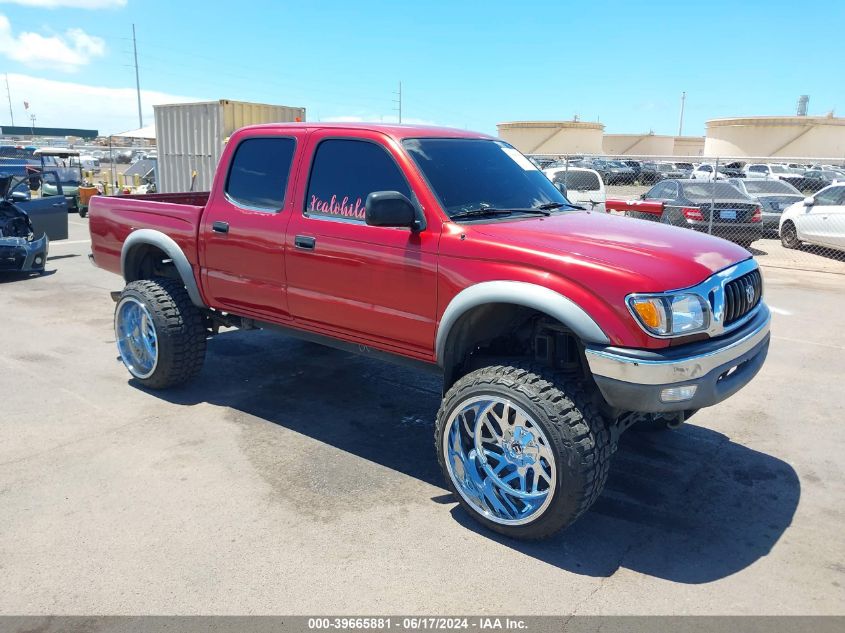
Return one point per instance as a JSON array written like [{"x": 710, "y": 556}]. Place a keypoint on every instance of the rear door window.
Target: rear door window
[
  {"x": 344, "y": 173},
  {"x": 258, "y": 176},
  {"x": 580, "y": 180}
]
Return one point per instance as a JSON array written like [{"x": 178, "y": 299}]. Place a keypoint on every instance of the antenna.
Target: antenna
[
  {"x": 9, "y": 95},
  {"x": 399, "y": 101},
  {"x": 137, "y": 78},
  {"x": 681, "y": 119}
]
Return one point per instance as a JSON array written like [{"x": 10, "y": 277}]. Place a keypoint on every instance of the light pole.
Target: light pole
[{"x": 32, "y": 117}]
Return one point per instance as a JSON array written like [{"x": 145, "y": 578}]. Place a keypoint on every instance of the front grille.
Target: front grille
[{"x": 737, "y": 293}]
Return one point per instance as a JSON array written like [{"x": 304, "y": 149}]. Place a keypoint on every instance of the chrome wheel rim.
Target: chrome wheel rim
[
  {"x": 499, "y": 460},
  {"x": 137, "y": 341}
]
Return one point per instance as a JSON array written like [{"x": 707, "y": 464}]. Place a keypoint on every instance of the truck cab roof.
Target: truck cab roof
[{"x": 394, "y": 130}]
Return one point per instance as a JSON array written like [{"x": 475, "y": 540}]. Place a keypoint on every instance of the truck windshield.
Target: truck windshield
[{"x": 468, "y": 174}]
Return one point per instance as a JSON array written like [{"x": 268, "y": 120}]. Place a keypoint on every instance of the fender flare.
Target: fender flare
[
  {"x": 523, "y": 294},
  {"x": 165, "y": 243}
]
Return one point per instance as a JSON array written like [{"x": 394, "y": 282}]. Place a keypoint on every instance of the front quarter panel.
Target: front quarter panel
[{"x": 595, "y": 288}]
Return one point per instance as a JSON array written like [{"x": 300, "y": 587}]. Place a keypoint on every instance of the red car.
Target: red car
[{"x": 555, "y": 328}]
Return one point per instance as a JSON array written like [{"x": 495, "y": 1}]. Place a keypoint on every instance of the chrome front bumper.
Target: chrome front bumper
[{"x": 634, "y": 380}]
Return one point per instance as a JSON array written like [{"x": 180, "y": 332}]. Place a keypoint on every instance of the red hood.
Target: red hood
[{"x": 671, "y": 257}]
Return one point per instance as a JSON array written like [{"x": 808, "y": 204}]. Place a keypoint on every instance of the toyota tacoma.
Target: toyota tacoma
[{"x": 555, "y": 328}]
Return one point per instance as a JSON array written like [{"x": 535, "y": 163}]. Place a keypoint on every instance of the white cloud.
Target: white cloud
[
  {"x": 69, "y": 52},
  {"x": 66, "y": 104},
  {"x": 71, "y": 4}
]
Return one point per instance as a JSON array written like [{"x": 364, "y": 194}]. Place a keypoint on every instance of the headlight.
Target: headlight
[{"x": 671, "y": 315}]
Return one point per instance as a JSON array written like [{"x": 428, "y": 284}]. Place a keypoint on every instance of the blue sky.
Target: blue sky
[{"x": 464, "y": 64}]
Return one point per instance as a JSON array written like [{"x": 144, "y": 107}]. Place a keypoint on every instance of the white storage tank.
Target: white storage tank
[
  {"x": 688, "y": 146},
  {"x": 786, "y": 136},
  {"x": 553, "y": 137},
  {"x": 191, "y": 136},
  {"x": 638, "y": 145}
]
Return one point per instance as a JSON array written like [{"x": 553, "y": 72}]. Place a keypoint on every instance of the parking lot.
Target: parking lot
[{"x": 291, "y": 478}]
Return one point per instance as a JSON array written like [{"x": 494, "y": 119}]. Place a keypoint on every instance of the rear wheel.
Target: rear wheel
[
  {"x": 523, "y": 455},
  {"x": 789, "y": 235},
  {"x": 160, "y": 334}
]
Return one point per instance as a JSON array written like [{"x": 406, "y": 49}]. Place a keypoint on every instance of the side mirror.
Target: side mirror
[
  {"x": 562, "y": 188},
  {"x": 642, "y": 196},
  {"x": 19, "y": 196},
  {"x": 390, "y": 208},
  {"x": 809, "y": 201}
]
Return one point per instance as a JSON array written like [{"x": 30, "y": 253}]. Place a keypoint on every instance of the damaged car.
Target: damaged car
[{"x": 27, "y": 224}]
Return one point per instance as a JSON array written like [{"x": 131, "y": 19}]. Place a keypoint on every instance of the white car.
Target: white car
[
  {"x": 90, "y": 163},
  {"x": 768, "y": 170},
  {"x": 705, "y": 171},
  {"x": 581, "y": 186},
  {"x": 819, "y": 220}
]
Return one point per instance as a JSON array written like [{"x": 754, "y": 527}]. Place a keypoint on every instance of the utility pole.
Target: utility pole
[
  {"x": 681, "y": 121},
  {"x": 9, "y": 95},
  {"x": 137, "y": 77},
  {"x": 399, "y": 101}
]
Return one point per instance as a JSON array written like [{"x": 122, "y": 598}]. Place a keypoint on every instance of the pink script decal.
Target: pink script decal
[{"x": 333, "y": 207}]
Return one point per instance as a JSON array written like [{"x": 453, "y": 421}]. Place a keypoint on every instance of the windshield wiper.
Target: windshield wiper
[{"x": 479, "y": 213}]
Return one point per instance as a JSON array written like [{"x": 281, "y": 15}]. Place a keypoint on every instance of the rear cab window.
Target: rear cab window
[
  {"x": 259, "y": 172},
  {"x": 344, "y": 172}
]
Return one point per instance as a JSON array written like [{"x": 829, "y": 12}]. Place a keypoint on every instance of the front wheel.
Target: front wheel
[
  {"x": 160, "y": 334},
  {"x": 523, "y": 455}
]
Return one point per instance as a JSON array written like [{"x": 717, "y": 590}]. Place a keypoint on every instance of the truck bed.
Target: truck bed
[{"x": 113, "y": 218}]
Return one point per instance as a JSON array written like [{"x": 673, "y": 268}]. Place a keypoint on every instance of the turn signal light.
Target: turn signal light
[
  {"x": 649, "y": 314},
  {"x": 693, "y": 213},
  {"x": 758, "y": 215}
]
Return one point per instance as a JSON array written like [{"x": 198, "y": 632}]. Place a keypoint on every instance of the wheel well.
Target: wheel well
[
  {"x": 146, "y": 261},
  {"x": 503, "y": 330}
]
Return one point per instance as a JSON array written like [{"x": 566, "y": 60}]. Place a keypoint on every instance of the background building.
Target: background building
[
  {"x": 784, "y": 136},
  {"x": 788, "y": 136},
  {"x": 553, "y": 137}
]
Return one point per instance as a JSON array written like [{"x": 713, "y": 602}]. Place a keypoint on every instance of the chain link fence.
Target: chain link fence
[{"x": 788, "y": 213}]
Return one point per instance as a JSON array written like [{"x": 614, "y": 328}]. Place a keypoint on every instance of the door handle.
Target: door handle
[
  {"x": 305, "y": 243},
  {"x": 220, "y": 227},
  {"x": 58, "y": 204}
]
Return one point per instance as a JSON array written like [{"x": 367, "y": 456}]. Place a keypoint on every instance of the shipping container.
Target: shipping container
[{"x": 190, "y": 137}]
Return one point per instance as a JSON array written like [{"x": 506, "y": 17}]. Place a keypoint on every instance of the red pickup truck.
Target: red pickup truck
[{"x": 555, "y": 328}]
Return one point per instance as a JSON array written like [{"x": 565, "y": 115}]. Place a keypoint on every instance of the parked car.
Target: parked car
[
  {"x": 655, "y": 172},
  {"x": 27, "y": 224},
  {"x": 636, "y": 165},
  {"x": 611, "y": 172},
  {"x": 554, "y": 328},
  {"x": 815, "y": 180},
  {"x": 773, "y": 195},
  {"x": 772, "y": 171},
  {"x": 705, "y": 171},
  {"x": 689, "y": 203},
  {"x": 581, "y": 186},
  {"x": 89, "y": 163},
  {"x": 123, "y": 156},
  {"x": 818, "y": 219}
]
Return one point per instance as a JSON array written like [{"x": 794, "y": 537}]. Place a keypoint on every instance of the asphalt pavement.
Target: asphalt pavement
[{"x": 295, "y": 479}]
